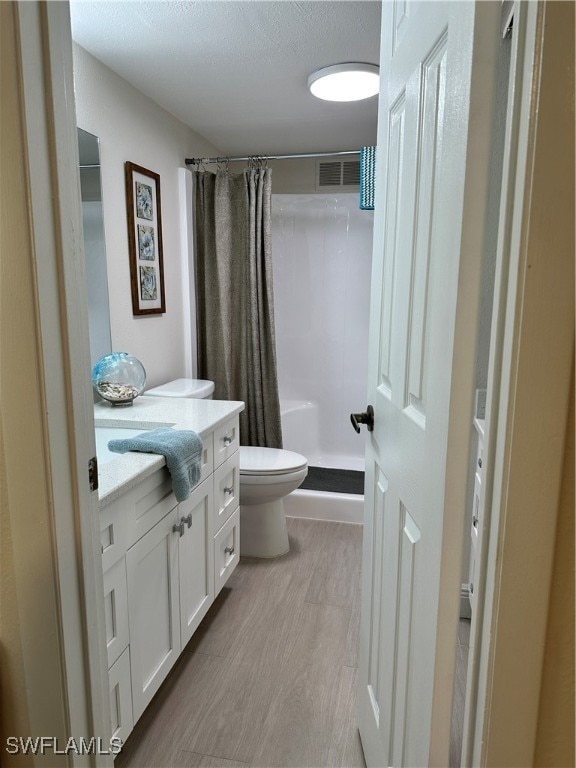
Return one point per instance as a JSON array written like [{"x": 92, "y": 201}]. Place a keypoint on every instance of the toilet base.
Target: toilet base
[{"x": 263, "y": 531}]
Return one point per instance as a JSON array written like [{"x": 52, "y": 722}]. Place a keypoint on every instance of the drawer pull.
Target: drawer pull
[
  {"x": 188, "y": 520},
  {"x": 227, "y": 439},
  {"x": 229, "y": 550},
  {"x": 179, "y": 528},
  {"x": 229, "y": 490}
]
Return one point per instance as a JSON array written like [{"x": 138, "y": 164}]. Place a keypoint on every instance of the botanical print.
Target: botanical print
[
  {"x": 146, "y": 242},
  {"x": 148, "y": 288},
  {"x": 143, "y": 201}
]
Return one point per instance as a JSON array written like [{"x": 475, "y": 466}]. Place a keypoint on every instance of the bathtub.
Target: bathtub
[{"x": 301, "y": 433}]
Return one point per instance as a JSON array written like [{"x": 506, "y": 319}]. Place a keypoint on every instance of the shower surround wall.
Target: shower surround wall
[{"x": 322, "y": 251}]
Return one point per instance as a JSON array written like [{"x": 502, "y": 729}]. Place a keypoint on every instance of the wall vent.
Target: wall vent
[{"x": 333, "y": 175}]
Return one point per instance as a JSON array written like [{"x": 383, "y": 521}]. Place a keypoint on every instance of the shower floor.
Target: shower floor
[{"x": 335, "y": 480}]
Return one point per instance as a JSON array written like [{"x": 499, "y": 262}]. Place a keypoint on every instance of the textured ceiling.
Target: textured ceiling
[{"x": 236, "y": 71}]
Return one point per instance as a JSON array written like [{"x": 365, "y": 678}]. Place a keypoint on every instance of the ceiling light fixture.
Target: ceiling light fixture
[{"x": 345, "y": 82}]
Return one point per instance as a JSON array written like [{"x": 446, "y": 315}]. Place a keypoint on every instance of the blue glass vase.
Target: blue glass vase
[{"x": 119, "y": 378}]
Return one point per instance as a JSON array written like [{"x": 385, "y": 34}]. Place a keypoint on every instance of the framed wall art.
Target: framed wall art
[{"x": 145, "y": 240}]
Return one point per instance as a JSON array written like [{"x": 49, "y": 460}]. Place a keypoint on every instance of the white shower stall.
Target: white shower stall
[{"x": 322, "y": 251}]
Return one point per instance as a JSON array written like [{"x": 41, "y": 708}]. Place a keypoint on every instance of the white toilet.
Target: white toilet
[{"x": 267, "y": 475}]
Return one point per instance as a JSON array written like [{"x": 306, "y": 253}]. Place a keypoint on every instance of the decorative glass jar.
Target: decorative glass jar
[{"x": 119, "y": 378}]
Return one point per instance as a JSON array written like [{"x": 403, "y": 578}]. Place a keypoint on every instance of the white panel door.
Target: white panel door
[
  {"x": 153, "y": 609},
  {"x": 419, "y": 383}
]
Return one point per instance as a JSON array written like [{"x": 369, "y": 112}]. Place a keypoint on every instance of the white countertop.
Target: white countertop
[{"x": 202, "y": 416}]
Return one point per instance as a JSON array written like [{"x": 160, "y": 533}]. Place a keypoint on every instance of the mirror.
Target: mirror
[{"x": 94, "y": 246}]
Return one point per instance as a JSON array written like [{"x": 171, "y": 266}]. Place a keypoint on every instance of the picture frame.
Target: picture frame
[{"x": 145, "y": 240}]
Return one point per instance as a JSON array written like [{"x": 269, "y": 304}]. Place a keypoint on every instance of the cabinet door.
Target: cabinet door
[
  {"x": 196, "y": 558},
  {"x": 153, "y": 609}
]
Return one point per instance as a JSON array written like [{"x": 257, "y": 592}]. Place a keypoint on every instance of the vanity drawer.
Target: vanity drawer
[
  {"x": 226, "y": 550},
  {"x": 116, "y": 610},
  {"x": 147, "y": 504},
  {"x": 112, "y": 533},
  {"x": 207, "y": 457},
  {"x": 226, "y": 440},
  {"x": 226, "y": 490},
  {"x": 121, "y": 716}
]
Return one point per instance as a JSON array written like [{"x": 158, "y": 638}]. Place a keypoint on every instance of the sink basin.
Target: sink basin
[{"x": 104, "y": 434}]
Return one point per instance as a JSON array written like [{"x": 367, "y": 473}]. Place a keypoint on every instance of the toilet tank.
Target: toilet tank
[{"x": 197, "y": 389}]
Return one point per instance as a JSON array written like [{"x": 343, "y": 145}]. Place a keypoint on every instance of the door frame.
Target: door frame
[
  {"x": 68, "y": 552},
  {"x": 527, "y": 409},
  {"x": 514, "y": 437}
]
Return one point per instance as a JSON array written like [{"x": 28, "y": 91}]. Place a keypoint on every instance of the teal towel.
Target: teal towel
[{"x": 182, "y": 449}]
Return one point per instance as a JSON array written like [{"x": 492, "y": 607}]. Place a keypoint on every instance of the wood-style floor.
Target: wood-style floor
[{"x": 269, "y": 678}]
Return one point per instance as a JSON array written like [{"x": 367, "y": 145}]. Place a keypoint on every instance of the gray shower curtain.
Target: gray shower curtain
[{"x": 234, "y": 293}]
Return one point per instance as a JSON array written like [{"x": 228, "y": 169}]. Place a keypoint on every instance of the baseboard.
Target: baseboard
[
  {"x": 465, "y": 610},
  {"x": 325, "y": 505}
]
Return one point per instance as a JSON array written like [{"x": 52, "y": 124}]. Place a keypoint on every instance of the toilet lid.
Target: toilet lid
[
  {"x": 194, "y": 388},
  {"x": 263, "y": 461}
]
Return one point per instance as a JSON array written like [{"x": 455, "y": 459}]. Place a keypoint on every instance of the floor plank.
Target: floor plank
[
  {"x": 312, "y": 716},
  {"x": 458, "y": 702},
  {"x": 194, "y": 760},
  {"x": 155, "y": 741}
]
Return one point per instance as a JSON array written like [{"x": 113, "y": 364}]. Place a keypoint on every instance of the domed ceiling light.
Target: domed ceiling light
[{"x": 352, "y": 81}]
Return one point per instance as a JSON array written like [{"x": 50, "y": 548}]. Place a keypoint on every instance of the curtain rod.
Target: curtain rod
[{"x": 195, "y": 160}]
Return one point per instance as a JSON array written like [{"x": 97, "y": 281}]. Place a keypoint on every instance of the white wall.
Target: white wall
[
  {"x": 322, "y": 250},
  {"x": 132, "y": 127}
]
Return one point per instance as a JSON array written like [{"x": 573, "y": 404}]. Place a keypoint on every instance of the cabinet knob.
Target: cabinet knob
[
  {"x": 229, "y": 550},
  {"x": 179, "y": 528},
  {"x": 227, "y": 439},
  {"x": 187, "y": 520},
  {"x": 229, "y": 490},
  {"x": 474, "y": 521},
  {"x": 480, "y": 463}
]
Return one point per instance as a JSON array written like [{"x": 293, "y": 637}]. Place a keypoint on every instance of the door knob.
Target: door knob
[{"x": 363, "y": 418}]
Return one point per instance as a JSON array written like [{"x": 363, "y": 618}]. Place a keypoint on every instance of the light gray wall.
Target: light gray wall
[
  {"x": 132, "y": 127},
  {"x": 292, "y": 176}
]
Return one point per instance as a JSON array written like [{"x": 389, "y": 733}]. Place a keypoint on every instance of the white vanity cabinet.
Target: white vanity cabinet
[{"x": 163, "y": 565}]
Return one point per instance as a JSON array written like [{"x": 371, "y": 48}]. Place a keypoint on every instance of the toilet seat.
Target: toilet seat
[{"x": 269, "y": 461}]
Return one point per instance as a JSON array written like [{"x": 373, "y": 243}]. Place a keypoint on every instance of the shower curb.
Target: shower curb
[{"x": 325, "y": 505}]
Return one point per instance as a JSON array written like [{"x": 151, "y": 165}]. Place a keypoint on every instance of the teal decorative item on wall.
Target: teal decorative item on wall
[{"x": 367, "y": 177}]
